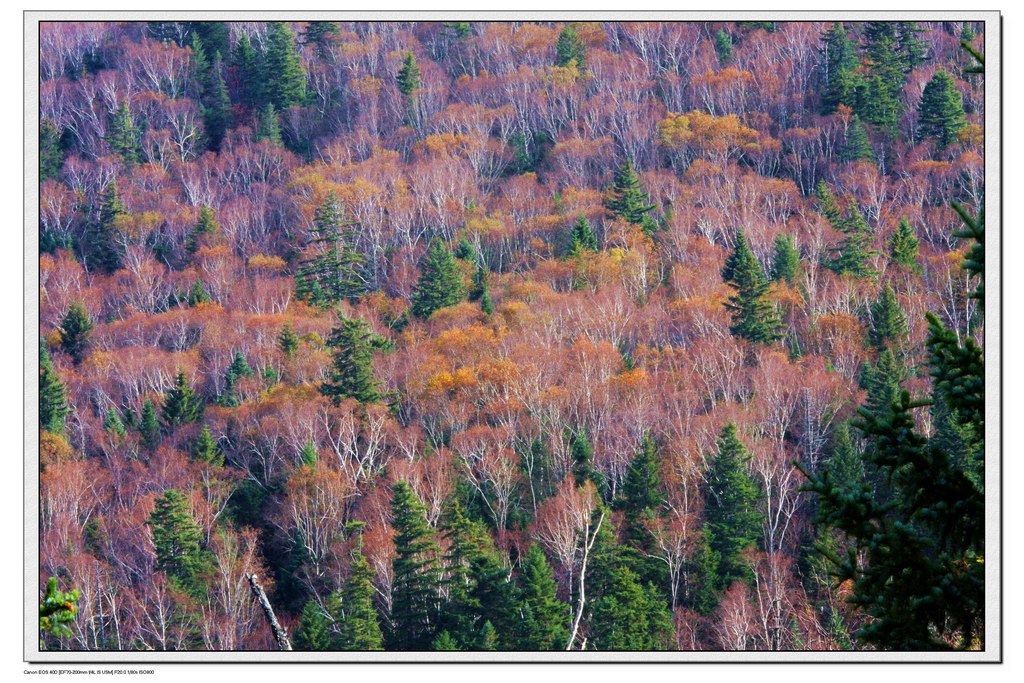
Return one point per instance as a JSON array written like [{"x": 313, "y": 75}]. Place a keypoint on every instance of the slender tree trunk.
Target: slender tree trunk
[
  {"x": 587, "y": 545},
  {"x": 280, "y": 634}
]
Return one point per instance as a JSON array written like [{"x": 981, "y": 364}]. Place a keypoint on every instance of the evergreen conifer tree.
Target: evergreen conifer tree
[
  {"x": 216, "y": 105},
  {"x": 941, "y": 112},
  {"x": 268, "y": 126},
  {"x": 440, "y": 282},
  {"x": 845, "y": 464},
  {"x": 408, "y": 84},
  {"x": 238, "y": 369},
  {"x": 903, "y": 245},
  {"x": 723, "y": 47},
  {"x": 124, "y": 137},
  {"x": 857, "y": 145},
  {"x": 312, "y": 634},
  {"x": 309, "y": 455},
  {"x": 444, "y": 643},
  {"x": 149, "y": 426},
  {"x": 629, "y": 616},
  {"x": 642, "y": 496},
  {"x": 51, "y": 152},
  {"x": 839, "y": 70},
  {"x": 352, "y": 345},
  {"x": 74, "y": 332},
  {"x": 182, "y": 404},
  {"x": 785, "y": 259},
  {"x": 284, "y": 78},
  {"x": 416, "y": 587},
  {"x": 197, "y": 295},
  {"x": 733, "y": 522},
  {"x": 105, "y": 248},
  {"x": 206, "y": 227},
  {"x": 112, "y": 423},
  {"x": 888, "y": 321},
  {"x": 753, "y": 317},
  {"x": 887, "y": 67},
  {"x": 176, "y": 537},
  {"x": 582, "y": 237},
  {"x": 206, "y": 449},
  {"x": 320, "y": 33},
  {"x": 583, "y": 469},
  {"x": 248, "y": 64},
  {"x": 288, "y": 341},
  {"x": 853, "y": 253},
  {"x": 334, "y": 273},
  {"x": 570, "y": 48},
  {"x": 628, "y": 200},
  {"x": 487, "y": 641},
  {"x": 360, "y": 629},
  {"x": 53, "y": 400},
  {"x": 883, "y": 382},
  {"x": 545, "y": 618}
]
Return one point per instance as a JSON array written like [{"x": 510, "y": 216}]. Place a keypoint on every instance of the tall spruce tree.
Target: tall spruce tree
[
  {"x": 883, "y": 381},
  {"x": 248, "y": 65},
  {"x": 440, "y": 282},
  {"x": 642, "y": 496},
  {"x": 628, "y": 200},
  {"x": 205, "y": 228},
  {"x": 842, "y": 82},
  {"x": 124, "y": 138},
  {"x": 857, "y": 144},
  {"x": 754, "y": 318},
  {"x": 785, "y": 259},
  {"x": 476, "y": 583},
  {"x": 416, "y": 587},
  {"x": 408, "y": 84},
  {"x": 112, "y": 423},
  {"x": 288, "y": 341},
  {"x": 352, "y": 345},
  {"x": 630, "y": 616},
  {"x": 312, "y": 635},
  {"x": 733, "y": 522},
  {"x": 887, "y": 66},
  {"x": 105, "y": 248},
  {"x": 723, "y": 47},
  {"x": 51, "y": 151},
  {"x": 941, "y": 111},
  {"x": 268, "y": 126},
  {"x": 177, "y": 538},
  {"x": 320, "y": 34},
  {"x": 149, "y": 426},
  {"x": 481, "y": 289},
  {"x": 334, "y": 272},
  {"x": 181, "y": 404},
  {"x": 544, "y": 618},
  {"x": 216, "y": 105},
  {"x": 237, "y": 370},
  {"x": 53, "y": 400},
  {"x": 903, "y": 244},
  {"x": 570, "y": 48},
  {"x": 206, "y": 450},
  {"x": 283, "y": 75},
  {"x": 582, "y": 237},
  {"x": 888, "y": 321},
  {"x": 853, "y": 253},
  {"x": 360, "y": 628},
  {"x": 75, "y": 328}
]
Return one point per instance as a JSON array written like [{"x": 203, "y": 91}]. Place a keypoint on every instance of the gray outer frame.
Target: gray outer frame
[{"x": 993, "y": 348}]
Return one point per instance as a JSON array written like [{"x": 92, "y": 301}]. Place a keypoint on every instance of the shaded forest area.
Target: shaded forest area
[{"x": 492, "y": 336}]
